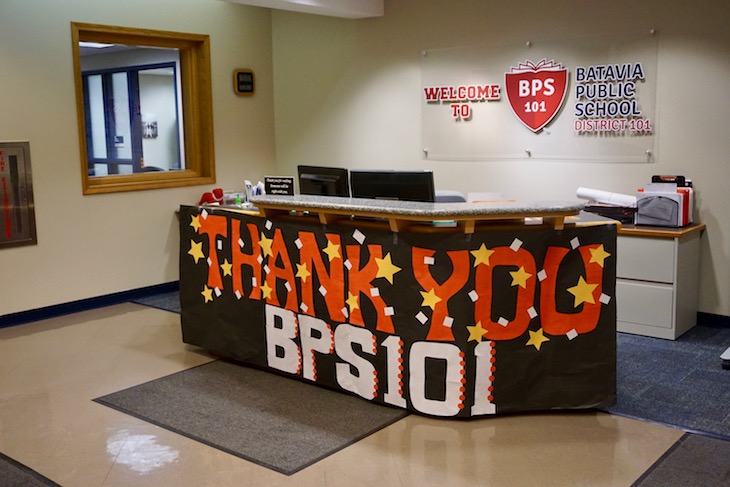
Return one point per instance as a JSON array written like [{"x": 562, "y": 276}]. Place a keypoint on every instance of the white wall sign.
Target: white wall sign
[{"x": 582, "y": 99}]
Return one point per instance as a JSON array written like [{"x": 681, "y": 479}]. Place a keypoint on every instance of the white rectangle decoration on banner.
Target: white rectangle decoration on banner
[{"x": 586, "y": 99}]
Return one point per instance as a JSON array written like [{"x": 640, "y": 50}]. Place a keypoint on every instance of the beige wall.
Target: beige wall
[
  {"x": 94, "y": 245},
  {"x": 348, "y": 93}
]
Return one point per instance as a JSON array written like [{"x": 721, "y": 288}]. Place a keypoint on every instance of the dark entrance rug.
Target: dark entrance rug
[
  {"x": 166, "y": 301},
  {"x": 280, "y": 423},
  {"x": 676, "y": 382},
  {"x": 15, "y": 474},
  {"x": 693, "y": 460}
]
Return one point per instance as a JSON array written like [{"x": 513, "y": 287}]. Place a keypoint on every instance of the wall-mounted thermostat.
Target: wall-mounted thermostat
[{"x": 243, "y": 82}]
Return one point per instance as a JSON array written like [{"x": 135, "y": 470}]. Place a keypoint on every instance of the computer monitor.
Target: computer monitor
[
  {"x": 393, "y": 185},
  {"x": 323, "y": 181}
]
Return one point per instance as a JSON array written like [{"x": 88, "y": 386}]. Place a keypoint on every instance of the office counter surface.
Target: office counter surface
[
  {"x": 400, "y": 214},
  {"x": 469, "y": 321}
]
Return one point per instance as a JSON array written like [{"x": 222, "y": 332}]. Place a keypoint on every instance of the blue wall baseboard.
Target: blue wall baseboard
[
  {"x": 708, "y": 319},
  {"x": 86, "y": 304}
]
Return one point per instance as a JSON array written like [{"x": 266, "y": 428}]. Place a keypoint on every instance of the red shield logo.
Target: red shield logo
[{"x": 536, "y": 91}]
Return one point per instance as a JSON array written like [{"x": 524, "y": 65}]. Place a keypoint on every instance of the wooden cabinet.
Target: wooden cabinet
[{"x": 657, "y": 276}]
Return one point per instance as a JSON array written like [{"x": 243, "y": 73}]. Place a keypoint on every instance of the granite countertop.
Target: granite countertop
[{"x": 419, "y": 209}]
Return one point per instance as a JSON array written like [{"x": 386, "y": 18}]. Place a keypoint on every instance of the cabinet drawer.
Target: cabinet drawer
[
  {"x": 646, "y": 258},
  {"x": 644, "y": 303}
]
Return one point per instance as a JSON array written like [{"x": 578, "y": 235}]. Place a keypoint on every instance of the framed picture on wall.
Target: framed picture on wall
[
  {"x": 243, "y": 82},
  {"x": 17, "y": 212}
]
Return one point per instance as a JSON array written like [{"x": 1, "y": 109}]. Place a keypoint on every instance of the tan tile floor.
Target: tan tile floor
[{"x": 51, "y": 370}]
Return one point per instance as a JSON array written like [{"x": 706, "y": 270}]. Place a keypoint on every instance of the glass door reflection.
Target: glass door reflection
[{"x": 132, "y": 118}]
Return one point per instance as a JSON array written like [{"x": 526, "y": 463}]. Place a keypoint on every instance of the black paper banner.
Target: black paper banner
[{"x": 443, "y": 324}]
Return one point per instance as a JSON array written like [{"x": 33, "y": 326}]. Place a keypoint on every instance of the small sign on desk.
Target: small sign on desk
[{"x": 279, "y": 185}]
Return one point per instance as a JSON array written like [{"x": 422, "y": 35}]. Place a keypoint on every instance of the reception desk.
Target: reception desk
[{"x": 452, "y": 310}]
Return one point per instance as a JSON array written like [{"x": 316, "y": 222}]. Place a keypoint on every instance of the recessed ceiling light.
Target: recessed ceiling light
[{"x": 94, "y": 45}]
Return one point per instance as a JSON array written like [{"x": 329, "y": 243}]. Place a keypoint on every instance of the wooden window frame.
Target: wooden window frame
[{"x": 197, "y": 107}]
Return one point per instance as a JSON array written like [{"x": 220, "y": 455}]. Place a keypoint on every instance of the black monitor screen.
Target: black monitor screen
[
  {"x": 393, "y": 185},
  {"x": 323, "y": 181}
]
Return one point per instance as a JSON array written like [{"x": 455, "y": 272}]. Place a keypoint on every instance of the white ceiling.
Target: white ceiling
[{"x": 349, "y": 9}]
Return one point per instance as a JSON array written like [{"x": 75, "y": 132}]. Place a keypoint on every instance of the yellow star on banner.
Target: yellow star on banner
[
  {"x": 386, "y": 268},
  {"x": 352, "y": 301},
  {"x": 598, "y": 255},
  {"x": 476, "y": 332},
  {"x": 520, "y": 277},
  {"x": 583, "y": 292},
  {"x": 332, "y": 250},
  {"x": 481, "y": 256},
  {"x": 266, "y": 290},
  {"x": 302, "y": 272},
  {"x": 207, "y": 293},
  {"x": 430, "y": 299},
  {"x": 265, "y": 243},
  {"x": 226, "y": 267},
  {"x": 536, "y": 339},
  {"x": 195, "y": 222},
  {"x": 196, "y": 250}
]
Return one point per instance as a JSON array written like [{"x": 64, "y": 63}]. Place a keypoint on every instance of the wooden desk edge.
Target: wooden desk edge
[
  {"x": 662, "y": 232},
  {"x": 399, "y": 222}
]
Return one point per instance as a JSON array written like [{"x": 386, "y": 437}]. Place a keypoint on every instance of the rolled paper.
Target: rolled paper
[{"x": 606, "y": 197}]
